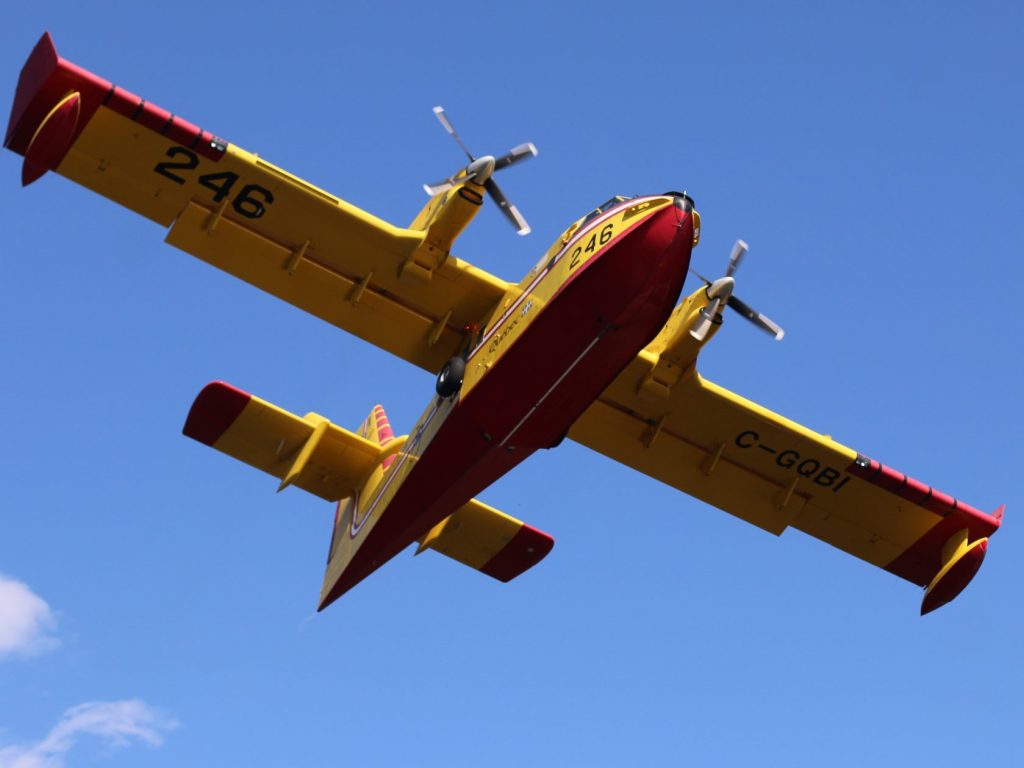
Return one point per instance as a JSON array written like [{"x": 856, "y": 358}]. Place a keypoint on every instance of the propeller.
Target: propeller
[
  {"x": 721, "y": 290},
  {"x": 481, "y": 169}
]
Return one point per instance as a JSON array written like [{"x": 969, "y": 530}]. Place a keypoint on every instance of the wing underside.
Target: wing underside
[
  {"x": 246, "y": 216},
  {"x": 772, "y": 472}
]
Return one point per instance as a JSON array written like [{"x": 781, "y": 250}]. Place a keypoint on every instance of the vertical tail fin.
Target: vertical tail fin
[{"x": 378, "y": 429}]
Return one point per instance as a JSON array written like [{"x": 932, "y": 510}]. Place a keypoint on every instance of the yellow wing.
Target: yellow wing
[
  {"x": 732, "y": 453},
  {"x": 391, "y": 286}
]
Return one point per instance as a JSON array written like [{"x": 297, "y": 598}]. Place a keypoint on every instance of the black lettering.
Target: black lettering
[
  {"x": 808, "y": 467},
  {"x": 592, "y": 244},
  {"x": 606, "y": 233},
  {"x": 787, "y": 459},
  {"x": 189, "y": 163},
  {"x": 827, "y": 477},
  {"x": 575, "y": 260},
  {"x": 220, "y": 183},
  {"x": 754, "y": 437},
  {"x": 842, "y": 482},
  {"x": 250, "y": 206}
]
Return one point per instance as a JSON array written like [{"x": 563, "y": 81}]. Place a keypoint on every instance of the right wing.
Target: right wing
[
  {"x": 244, "y": 215},
  {"x": 770, "y": 471}
]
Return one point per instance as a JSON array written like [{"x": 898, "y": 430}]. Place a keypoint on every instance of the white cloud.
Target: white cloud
[
  {"x": 26, "y": 621},
  {"x": 118, "y": 723}
]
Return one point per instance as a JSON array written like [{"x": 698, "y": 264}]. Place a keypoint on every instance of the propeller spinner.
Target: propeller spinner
[
  {"x": 481, "y": 169},
  {"x": 720, "y": 291}
]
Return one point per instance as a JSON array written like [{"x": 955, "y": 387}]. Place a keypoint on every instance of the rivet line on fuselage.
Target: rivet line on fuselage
[{"x": 551, "y": 389}]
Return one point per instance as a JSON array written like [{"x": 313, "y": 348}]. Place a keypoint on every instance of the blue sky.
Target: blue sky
[{"x": 870, "y": 154}]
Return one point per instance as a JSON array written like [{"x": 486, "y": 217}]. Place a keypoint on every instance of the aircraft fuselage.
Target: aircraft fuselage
[{"x": 599, "y": 295}]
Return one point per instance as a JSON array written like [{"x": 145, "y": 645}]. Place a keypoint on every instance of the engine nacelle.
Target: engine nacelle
[{"x": 448, "y": 214}]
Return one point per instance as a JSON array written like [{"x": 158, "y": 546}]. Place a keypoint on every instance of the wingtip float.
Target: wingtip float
[
  {"x": 56, "y": 99},
  {"x": 592, "y": 344},
  {"x": 957, "y": 572}
]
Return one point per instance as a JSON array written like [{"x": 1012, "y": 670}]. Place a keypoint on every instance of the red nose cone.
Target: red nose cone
[
  {"x": 52, "y": 139},
  {"x": 954, "y": 580}
]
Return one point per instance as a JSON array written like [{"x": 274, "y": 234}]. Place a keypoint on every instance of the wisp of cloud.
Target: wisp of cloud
[{"x": 118, "y": 723}]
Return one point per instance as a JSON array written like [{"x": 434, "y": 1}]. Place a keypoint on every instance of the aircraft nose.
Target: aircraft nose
[
  {"x": 684, "y": 204},
  {"x": 683, "y": 201}
]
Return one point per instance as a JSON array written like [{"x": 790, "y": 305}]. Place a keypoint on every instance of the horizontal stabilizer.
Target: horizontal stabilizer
[
  {"x": 307, "y": 451},
  {"x": 490, "y": 541}
]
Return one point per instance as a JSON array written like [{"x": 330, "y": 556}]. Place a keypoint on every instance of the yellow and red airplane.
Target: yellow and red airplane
[{"x": 590, "y": 344}]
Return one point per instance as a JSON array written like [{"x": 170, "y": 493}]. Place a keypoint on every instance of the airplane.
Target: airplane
[{"x": 592, "y": 344}]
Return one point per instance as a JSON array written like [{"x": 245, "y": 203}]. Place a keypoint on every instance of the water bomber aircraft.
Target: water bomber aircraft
[{"x": 593, "y": 345}]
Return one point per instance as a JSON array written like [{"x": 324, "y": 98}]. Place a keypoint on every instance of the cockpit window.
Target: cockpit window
[{"x": 604, "y": 207}]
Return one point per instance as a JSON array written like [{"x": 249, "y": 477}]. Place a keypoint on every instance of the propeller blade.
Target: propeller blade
[
  {"x": 515, "y": 155},
  {"x": 439, "y": 111},
  {"x": 511, "y": 212},
  {"x": 443, "y": 186},
  {"x": 436, "y": 189},
  {"x": 480, "y": 171},
  {"x": 699, "y": 276},
  {"x": 764, "y": 323},
  {"x": 707, "y": 317},
  {"x": 738, "y": 252}
]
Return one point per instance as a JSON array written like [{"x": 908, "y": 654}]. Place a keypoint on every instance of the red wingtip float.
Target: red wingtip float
[
  {"x": 962, "y": 562},
  {"x": 42, "y": 63},
  {"x": 51, "y": 140},
  {"x": 592, "y": 344},
  {"x": 46, "y": 111}
]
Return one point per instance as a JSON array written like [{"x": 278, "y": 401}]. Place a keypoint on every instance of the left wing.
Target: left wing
[
  {"x": 730, "y": 452},
  {"x": 388, "y": 285}
]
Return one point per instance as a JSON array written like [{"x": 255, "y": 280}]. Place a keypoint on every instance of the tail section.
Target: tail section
[
  {"x": 364, "y": 469},
  {"x": 351, "y": 512},
  {"x": 474, "y": 534},
  {"x": 377, "y": 429}
]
